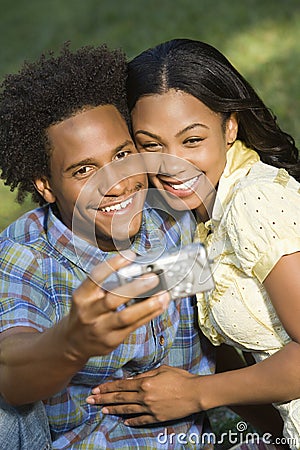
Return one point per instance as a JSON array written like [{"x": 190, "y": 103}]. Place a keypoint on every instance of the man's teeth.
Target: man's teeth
[
  {"x": 187, "y": 185},
  {"x": 118, "y": 206}
]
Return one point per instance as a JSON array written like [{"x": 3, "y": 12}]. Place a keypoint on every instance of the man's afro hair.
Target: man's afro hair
[{"x": 46, "y": 92}]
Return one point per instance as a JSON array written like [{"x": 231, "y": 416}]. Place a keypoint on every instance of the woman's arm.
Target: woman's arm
[
  {"x": 34, "y": 365},
  {"x": 277, "y": 378},
  {"x": 169, "y": 393},
  {"x": 265, "y": 418}
]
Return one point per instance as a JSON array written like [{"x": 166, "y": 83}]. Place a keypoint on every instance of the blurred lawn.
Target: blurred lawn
[{"x": 261, "y": 38}]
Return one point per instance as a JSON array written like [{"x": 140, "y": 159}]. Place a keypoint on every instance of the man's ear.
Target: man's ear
[
  {"x": 43, "y": 187},
  {"x": 231, "y": 129}
]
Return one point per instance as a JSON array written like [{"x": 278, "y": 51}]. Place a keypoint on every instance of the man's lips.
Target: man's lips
[{"x": 115, "y": 206}]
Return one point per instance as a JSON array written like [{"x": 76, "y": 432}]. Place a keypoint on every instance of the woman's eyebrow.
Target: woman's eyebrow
[
  {"x": 191, "y": 127},
  {"x": 147, "y": 133}
]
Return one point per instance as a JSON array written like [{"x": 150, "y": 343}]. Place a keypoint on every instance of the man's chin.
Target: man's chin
[
  {"x": 123, "y": 240},
  {"x": 120, "y": 238}
]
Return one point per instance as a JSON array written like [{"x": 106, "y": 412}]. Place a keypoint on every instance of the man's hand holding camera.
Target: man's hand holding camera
[{"x": 95, "y": 326}]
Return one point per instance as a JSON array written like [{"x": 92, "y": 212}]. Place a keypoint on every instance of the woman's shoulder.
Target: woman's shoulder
[
  {"x": 265, "y": 201},
  {"x": 262, "y": 172},
  {"x": 267, "y": 180}
]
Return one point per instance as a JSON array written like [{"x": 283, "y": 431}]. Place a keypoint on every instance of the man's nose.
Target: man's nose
[
  {"x": 112, "y": 184},
  {"x": 117, "y": 177}
]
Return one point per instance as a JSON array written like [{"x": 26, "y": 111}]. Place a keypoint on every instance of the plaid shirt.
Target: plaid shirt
[{"x": 41, "y": 263}]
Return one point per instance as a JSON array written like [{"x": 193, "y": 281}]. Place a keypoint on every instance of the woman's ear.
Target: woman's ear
[
  {"x": 231, "y": 129},
  {"x": 43, "y": 187}
]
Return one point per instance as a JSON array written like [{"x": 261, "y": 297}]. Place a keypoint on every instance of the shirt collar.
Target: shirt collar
[
  {"x": 239, "y": 160},
  {"x": 70, "y": 246},
  {"x": 84, "y": 255}
]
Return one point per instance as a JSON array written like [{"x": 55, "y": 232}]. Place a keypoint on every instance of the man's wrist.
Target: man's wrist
[{"x": 71, "y": 353}]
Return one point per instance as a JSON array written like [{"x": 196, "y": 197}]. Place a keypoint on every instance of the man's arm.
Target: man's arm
[{"x": 34, "y": 365}]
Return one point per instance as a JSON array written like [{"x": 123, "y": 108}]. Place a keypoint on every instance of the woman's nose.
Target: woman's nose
[
  {"x": 171, "y": 164},
  {"x": 164, "y": 163}
]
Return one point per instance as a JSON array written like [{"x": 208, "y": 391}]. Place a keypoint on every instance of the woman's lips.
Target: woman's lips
[{"x": 181, "y": 189}]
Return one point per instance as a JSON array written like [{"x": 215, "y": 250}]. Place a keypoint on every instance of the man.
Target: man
[{"x": 65, "y": 140}]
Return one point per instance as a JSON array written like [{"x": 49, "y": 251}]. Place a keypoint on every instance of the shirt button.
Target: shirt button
[{"x": 161, "y": 340}]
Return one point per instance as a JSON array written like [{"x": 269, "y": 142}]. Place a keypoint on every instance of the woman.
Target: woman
[{"x": 191, "y": 108}]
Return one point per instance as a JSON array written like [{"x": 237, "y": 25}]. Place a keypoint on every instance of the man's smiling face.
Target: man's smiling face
[{"x": 91, "y": 181}]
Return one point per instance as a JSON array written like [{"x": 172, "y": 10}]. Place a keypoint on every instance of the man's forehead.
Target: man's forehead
[
  {"x": 94, "y": 126},
  {"x": 86, "y": 113}
]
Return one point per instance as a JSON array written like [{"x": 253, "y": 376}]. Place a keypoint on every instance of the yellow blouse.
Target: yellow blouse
[{"x": 255, "y": 221}]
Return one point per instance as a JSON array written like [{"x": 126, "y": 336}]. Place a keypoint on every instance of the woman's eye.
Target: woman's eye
[
  {"x": 193, "y": 140},
  {"x": 151, "y": 147}
]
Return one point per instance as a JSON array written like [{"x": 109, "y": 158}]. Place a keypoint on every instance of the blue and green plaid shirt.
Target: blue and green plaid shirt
[{"x": 41, "y": 263}]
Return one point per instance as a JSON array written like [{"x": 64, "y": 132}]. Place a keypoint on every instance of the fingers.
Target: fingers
[
  {"x": 90, "y": 289},
  {"x": 116, "y": 399},
  {"x": 150, "y": 373},
  {"x": 142, "y": 416},
  {"x": 128, "y": 384},
  {"x": 140, "y": 421},
  {"x": 113, "y": 327},
  {"x": 136, "y": 288},
  {"x": 103, "y": 270},
  {"x": 94, "y": 312},
  {"x": 124, "y": 403},
  {"x": 91, "y": 293},
  {"x": 140, "y": 313},
  {"x": 118, "y": 386},
  {"x": 130, "y": 390}
]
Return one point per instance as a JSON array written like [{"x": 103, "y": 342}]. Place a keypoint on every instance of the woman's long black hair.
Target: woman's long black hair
[{"x": 201, "y": 70}]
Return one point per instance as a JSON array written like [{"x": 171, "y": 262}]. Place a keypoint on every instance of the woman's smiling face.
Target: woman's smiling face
[{"x": 189, "y": 141}]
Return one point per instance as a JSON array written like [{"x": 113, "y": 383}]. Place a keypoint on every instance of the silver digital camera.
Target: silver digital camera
[{"x": 182, "y": 271}]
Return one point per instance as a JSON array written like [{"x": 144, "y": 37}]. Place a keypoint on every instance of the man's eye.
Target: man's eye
[
  {"x": 122, "y": 154},
  {"x": 85, "y": 170}
]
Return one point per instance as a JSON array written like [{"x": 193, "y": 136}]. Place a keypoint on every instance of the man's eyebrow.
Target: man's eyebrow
[
  {"x": 189, "y": 127},
  {"x": 121, "y": 146},
  {"x": 90, "y": 161},
  {"x": 83, "y": 162}
]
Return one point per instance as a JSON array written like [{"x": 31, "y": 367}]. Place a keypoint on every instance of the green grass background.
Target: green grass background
[{"x": 260, "y": 37}]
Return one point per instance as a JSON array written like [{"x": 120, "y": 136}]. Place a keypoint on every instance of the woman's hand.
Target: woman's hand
[{"x": 159, "y": 395}]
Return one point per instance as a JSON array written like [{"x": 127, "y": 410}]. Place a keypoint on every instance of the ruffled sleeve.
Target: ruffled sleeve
[{"x": 263, "y": 223}]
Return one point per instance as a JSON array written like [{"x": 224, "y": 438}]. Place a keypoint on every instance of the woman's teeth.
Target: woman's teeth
[
  {"x": 184, "y": 186},
  {"x": 118, "y": 206}
]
